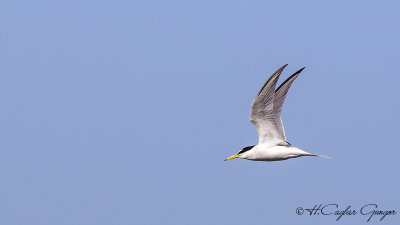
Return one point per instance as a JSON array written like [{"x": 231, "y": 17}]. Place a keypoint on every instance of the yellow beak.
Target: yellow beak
[{"x": 232, "y": 157}]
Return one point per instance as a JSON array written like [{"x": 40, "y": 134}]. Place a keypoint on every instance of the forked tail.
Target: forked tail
[{"x": 323, "y": 156}]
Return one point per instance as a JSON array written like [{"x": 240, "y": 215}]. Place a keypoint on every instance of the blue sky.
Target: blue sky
[{"x": 121, "y": 112}]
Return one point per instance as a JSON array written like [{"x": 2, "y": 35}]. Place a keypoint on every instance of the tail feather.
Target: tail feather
[{"x": 323, "y": 156}]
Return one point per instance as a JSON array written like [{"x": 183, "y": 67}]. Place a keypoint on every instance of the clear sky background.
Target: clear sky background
[{"x": 122, "y": 112}]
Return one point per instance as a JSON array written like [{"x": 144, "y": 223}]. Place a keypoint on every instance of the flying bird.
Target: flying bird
[{"x": 265, "y": 115}]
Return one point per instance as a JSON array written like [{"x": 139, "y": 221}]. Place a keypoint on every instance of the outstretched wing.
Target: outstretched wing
[
  {"x": 279, "y": 98},
  {"x": 262, "y": 111}
]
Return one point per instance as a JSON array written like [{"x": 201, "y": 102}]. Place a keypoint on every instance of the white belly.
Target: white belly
[{"x": 275, "y": 153}]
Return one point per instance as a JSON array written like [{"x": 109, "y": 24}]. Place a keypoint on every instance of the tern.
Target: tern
[{"x": 265, "y": 115}]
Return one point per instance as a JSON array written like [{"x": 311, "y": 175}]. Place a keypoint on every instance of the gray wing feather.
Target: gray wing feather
[
  {"x": 279, "y": 98},
  {"x": 262, "y": 111}
]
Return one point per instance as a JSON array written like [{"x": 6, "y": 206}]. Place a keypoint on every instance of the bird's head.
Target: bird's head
[{"x": 241, "y": 153}]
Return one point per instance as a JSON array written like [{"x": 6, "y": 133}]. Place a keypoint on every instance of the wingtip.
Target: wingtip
[
  {"x": 299, "y": 71},
  {"x": 274, "y": 76},
  {"x": 281, "y": 69}
]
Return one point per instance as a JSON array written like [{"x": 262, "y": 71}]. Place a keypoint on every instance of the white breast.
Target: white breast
[{"x": 273, "y": 153}]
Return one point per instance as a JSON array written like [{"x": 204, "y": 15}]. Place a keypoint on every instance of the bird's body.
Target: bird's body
[
  {"x": 273, "y": 153},
  {"x": 265, "y": 115}
]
